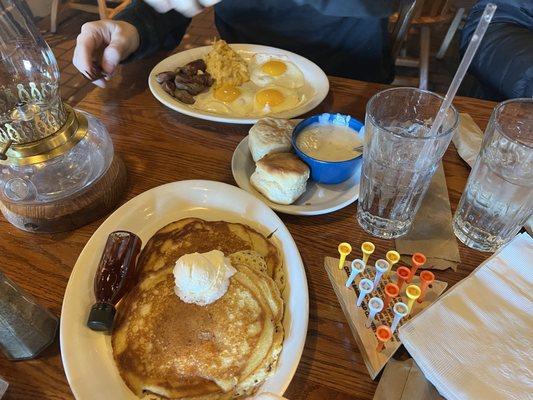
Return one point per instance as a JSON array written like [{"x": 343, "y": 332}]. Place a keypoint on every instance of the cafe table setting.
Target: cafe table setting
[{"x": 152, "y": 247}]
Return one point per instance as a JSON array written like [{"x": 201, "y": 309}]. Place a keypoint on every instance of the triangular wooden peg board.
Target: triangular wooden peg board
[{"x": 358, "y": 316}]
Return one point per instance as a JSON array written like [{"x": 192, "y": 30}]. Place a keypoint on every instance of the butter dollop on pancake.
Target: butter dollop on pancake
[{"x": 192, "y": 235}]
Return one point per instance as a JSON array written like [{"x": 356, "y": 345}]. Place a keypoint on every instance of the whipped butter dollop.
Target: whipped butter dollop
[{"x": 202, "y": 278}]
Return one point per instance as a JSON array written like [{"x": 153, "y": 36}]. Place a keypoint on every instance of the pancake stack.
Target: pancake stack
[{"x": 166, "y": 348}]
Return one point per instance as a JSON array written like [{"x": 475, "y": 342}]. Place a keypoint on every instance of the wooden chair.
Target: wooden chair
[
  {"x": 100, "y": 8},
  {"x": 422, "y": 15}
]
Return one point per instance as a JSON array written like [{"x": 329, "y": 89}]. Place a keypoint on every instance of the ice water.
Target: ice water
[
  {"x": 399, "y": 158},
  {"x": 392, "y": 198},
  {"x": 395, "y": 178},
  {"x": 492, "y": 209}
]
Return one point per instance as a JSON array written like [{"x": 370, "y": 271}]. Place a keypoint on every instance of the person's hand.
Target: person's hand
[
  {"x": 104, "y": 44},
  {"x": 188, "y": 8}
]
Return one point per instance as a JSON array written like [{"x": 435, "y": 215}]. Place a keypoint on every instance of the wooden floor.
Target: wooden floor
[{"x": 201, "y": 31}]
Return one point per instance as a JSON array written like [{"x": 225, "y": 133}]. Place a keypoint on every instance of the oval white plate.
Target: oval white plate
[
  {"x": 87, "y": 355},
  {"x": 316, "y": 82},
  {"x": 318, "y": 198}
]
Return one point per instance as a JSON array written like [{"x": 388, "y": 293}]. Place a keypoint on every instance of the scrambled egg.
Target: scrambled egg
[{"x": 226, "y": 66}]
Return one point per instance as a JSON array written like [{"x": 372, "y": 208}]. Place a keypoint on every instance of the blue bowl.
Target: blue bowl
[{"x": 329, "y": 172}]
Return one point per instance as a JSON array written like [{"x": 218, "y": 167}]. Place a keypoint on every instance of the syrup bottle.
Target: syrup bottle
[{"x": 116, "y": 275}]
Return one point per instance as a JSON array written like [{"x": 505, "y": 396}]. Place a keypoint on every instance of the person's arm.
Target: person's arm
[
  {"x": 352, "y": 8},
  {"x": 156, "y": 31},
  {"x": 504, "y": 60}
]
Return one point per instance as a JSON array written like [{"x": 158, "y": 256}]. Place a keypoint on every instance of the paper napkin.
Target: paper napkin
[
  {"x": 403, "y": 380},
  {"x": 3, "y": 387},
  {"x": 476, "y": 341},
  {"x": 432, "y": 232}
]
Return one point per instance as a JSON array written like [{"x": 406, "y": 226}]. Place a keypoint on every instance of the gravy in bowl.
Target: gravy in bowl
[{"x": 329, "y": 142}]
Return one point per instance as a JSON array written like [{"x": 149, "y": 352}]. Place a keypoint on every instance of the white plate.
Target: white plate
[
  {"x": 316, "y": 82},
  {"x": 87, "y": 355},
  {"x": 318, "y": 198}
]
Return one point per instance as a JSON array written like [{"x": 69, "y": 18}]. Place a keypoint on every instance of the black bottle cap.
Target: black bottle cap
[{"x": 101, "y": 317}]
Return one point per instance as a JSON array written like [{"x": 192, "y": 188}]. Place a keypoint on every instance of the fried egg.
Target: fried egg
[
  {"x": 227, "y": 100},
  {"x": 275, "y": 99},
  {"x": 267, "y": 69}
]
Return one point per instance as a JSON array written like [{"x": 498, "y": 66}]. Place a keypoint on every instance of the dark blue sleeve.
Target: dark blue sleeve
[
  {"x": 352, "y": 8},
  {"x": 156, "y": 31},
  {"x": 504, "y": 60}
]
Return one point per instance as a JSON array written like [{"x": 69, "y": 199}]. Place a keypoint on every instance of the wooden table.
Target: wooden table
[{"x": 160, "y": 146}]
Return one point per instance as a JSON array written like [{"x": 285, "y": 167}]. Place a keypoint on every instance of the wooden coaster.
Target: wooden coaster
[
  {"x": 358, "y": 316},
  {"x": 72, "y": 212}
]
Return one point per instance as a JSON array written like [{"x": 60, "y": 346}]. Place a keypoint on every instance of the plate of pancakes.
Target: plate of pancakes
[
  {"x": 243, "y": 107},
  {"x": 248, "y": 341}
]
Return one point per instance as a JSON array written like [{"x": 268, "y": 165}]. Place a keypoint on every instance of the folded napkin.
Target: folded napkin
[
  {"x": 403, "y": 380},
  {"x": 3, "y": 387},
  {"x": 432, "y": 232},
  {"x": 467, "y": 141},
  {"x": 476, "y": 341}
]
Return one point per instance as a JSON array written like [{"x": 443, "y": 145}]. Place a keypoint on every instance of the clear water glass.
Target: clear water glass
[
  {"x": 498, "y": 198},
  {"x": 400, "y": 158}
]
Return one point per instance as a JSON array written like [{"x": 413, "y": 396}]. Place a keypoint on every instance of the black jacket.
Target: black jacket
[
  {"x": 503, "y": 65},
  {"x": 346, "y": 38}
]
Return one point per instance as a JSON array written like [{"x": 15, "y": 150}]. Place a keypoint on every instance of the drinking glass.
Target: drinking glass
[
  {"x": 498, "y": 198},
  {"x": 399, "y": 157}
]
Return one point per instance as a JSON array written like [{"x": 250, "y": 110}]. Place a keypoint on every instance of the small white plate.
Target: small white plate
[
  {"x": 318, "y": 198},
  {"x": 87, "y": 355},
  {"x": 316, "y": 82}
]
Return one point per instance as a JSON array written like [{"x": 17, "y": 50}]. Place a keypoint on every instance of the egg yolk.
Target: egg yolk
[
  {"x": 227, "y": 93},
  {"x": 274, "y": 68},
  {"x": 269, "y": 97}
]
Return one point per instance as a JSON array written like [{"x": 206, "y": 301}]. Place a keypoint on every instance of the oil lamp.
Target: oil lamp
[{"x": 58, "y": 170}]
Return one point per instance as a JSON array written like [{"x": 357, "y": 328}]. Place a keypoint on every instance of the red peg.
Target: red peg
[
  {"x": 426, "y": 279},
  {"x": 383, "y": 335},
  {"x": 418, "y": 259},
  {"x": 402, "y": 275},
  {"x": 391, "y": 291}
]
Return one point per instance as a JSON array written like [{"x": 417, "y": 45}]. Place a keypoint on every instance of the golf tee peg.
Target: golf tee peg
[
  {"x": 402, "y": 274},
  {"x": 375, "y": 305},
  {"x": 418, "y": 259},
  {"x": 365, "y": 287},
  {"x": 382, "y": 266},
  {"x": 412, "y": 292},
  {"x": 400, "y": 310},
  {"x": 426, "y": 279},
  {"x": 392, "y": 257},
  {"x": 391, "y": 292},
  {"x": 357, "y": 267},
  {"x": 383, "y": 335},
  {"x": 367, "y": 248},
  {"x": 344, "y": 249}
]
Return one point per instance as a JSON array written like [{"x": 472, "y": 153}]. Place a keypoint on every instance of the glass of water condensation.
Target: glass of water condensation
[
  {"x": 498, "y": 198},
  {"x": 400, "y": 157}
]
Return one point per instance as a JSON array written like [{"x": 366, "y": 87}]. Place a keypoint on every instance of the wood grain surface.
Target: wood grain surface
[{"x": 158, "y": 146}]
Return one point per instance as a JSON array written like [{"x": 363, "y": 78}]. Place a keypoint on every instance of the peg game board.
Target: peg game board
[{"x": 357, "y": 316}]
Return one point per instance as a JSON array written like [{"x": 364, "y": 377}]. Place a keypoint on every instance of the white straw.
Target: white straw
[{"x": 463, "y": 67}]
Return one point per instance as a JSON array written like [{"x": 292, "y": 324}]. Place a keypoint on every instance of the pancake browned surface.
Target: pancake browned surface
[
  {"x": 191, "y": 235},
  {"x": 178, "y": 350}
]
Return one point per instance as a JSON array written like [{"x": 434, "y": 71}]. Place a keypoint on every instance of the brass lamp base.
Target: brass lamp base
[{"x": 70, "y": 213}]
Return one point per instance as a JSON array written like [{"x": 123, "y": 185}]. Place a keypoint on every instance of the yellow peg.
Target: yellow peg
[
  {"x": 392, "y": 257},
  {"x": 367, "y": 248},
  {"x": 412, "y": 292},
  {"x": 344, "y": 250}
]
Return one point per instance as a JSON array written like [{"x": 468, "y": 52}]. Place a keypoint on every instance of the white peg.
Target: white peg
[
  {"x": 400, "y": 310},
  {"x": 365, "y": 287},
  {"x": 375, "y": 305},
  {"x": 358, "y": 266},
  {"x": 382, "y": 266}
]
